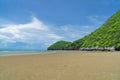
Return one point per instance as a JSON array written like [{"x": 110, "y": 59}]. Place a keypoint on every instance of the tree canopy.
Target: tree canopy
[
  {"x": 60, "y": 45},
  {"x": 108, "y": 35}
]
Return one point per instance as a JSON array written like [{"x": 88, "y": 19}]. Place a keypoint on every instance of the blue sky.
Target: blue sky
[{"x": 36, "y": 24}]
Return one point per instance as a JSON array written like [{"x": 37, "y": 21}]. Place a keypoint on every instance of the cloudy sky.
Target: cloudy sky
[{"x": 36, "y": 24}]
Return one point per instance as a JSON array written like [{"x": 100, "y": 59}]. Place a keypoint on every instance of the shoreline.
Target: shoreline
[{"x": 27, "y": 53}]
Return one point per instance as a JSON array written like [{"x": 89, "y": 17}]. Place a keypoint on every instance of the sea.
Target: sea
[{"x": 27, "y": 52}]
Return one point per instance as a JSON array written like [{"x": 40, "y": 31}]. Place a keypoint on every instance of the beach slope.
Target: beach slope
[{"x": 62, "y": 66}]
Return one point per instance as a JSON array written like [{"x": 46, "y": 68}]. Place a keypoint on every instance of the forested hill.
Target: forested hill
[
  {"x": 108, "y": 35},
  {"x": 60, "y": 45}
]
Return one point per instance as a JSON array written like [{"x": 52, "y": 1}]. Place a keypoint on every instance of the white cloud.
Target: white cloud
[
  {"x": 34, "y": 32},
  {"x": 38, "y": 33},
  {"x": 75, "y": 32},
  {"x": 97, "y": 19}
]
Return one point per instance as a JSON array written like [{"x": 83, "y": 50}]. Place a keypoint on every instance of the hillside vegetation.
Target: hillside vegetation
[
  {"x": 108, "y": 35},
  {"x": 60, "y": 45}
]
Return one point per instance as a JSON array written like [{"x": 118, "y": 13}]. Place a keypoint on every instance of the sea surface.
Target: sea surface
[{"x": 26, "y": 52}]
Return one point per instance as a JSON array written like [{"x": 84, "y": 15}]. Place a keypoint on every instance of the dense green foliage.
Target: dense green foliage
[
  {"x": 106, "y": 36},
  {"x": 60, "y": 45}
]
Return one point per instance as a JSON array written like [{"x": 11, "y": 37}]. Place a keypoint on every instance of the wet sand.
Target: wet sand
[{"x": 62, "y": 66}]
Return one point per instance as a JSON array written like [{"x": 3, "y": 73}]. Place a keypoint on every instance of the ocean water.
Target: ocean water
[{"x": 26, "y": 52}]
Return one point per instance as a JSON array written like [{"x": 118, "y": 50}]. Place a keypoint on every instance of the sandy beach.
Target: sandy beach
[{"x": 62, "y": 66}]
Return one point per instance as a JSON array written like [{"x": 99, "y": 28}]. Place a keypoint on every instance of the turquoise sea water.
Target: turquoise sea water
[
  {"x": 20, "y": 52},
  {"x": 25, "y": 52}
]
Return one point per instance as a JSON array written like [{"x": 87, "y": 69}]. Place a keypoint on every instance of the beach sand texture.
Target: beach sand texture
[{"x": 62, "y": 66}]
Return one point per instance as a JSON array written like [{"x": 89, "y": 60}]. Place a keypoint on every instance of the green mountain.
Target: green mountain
[
  {"x": 60, "y": 45},
  {"x": 108, "y": 35}
]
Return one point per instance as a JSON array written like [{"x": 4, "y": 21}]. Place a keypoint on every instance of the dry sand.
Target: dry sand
[{"x": 67, "y": 66}]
